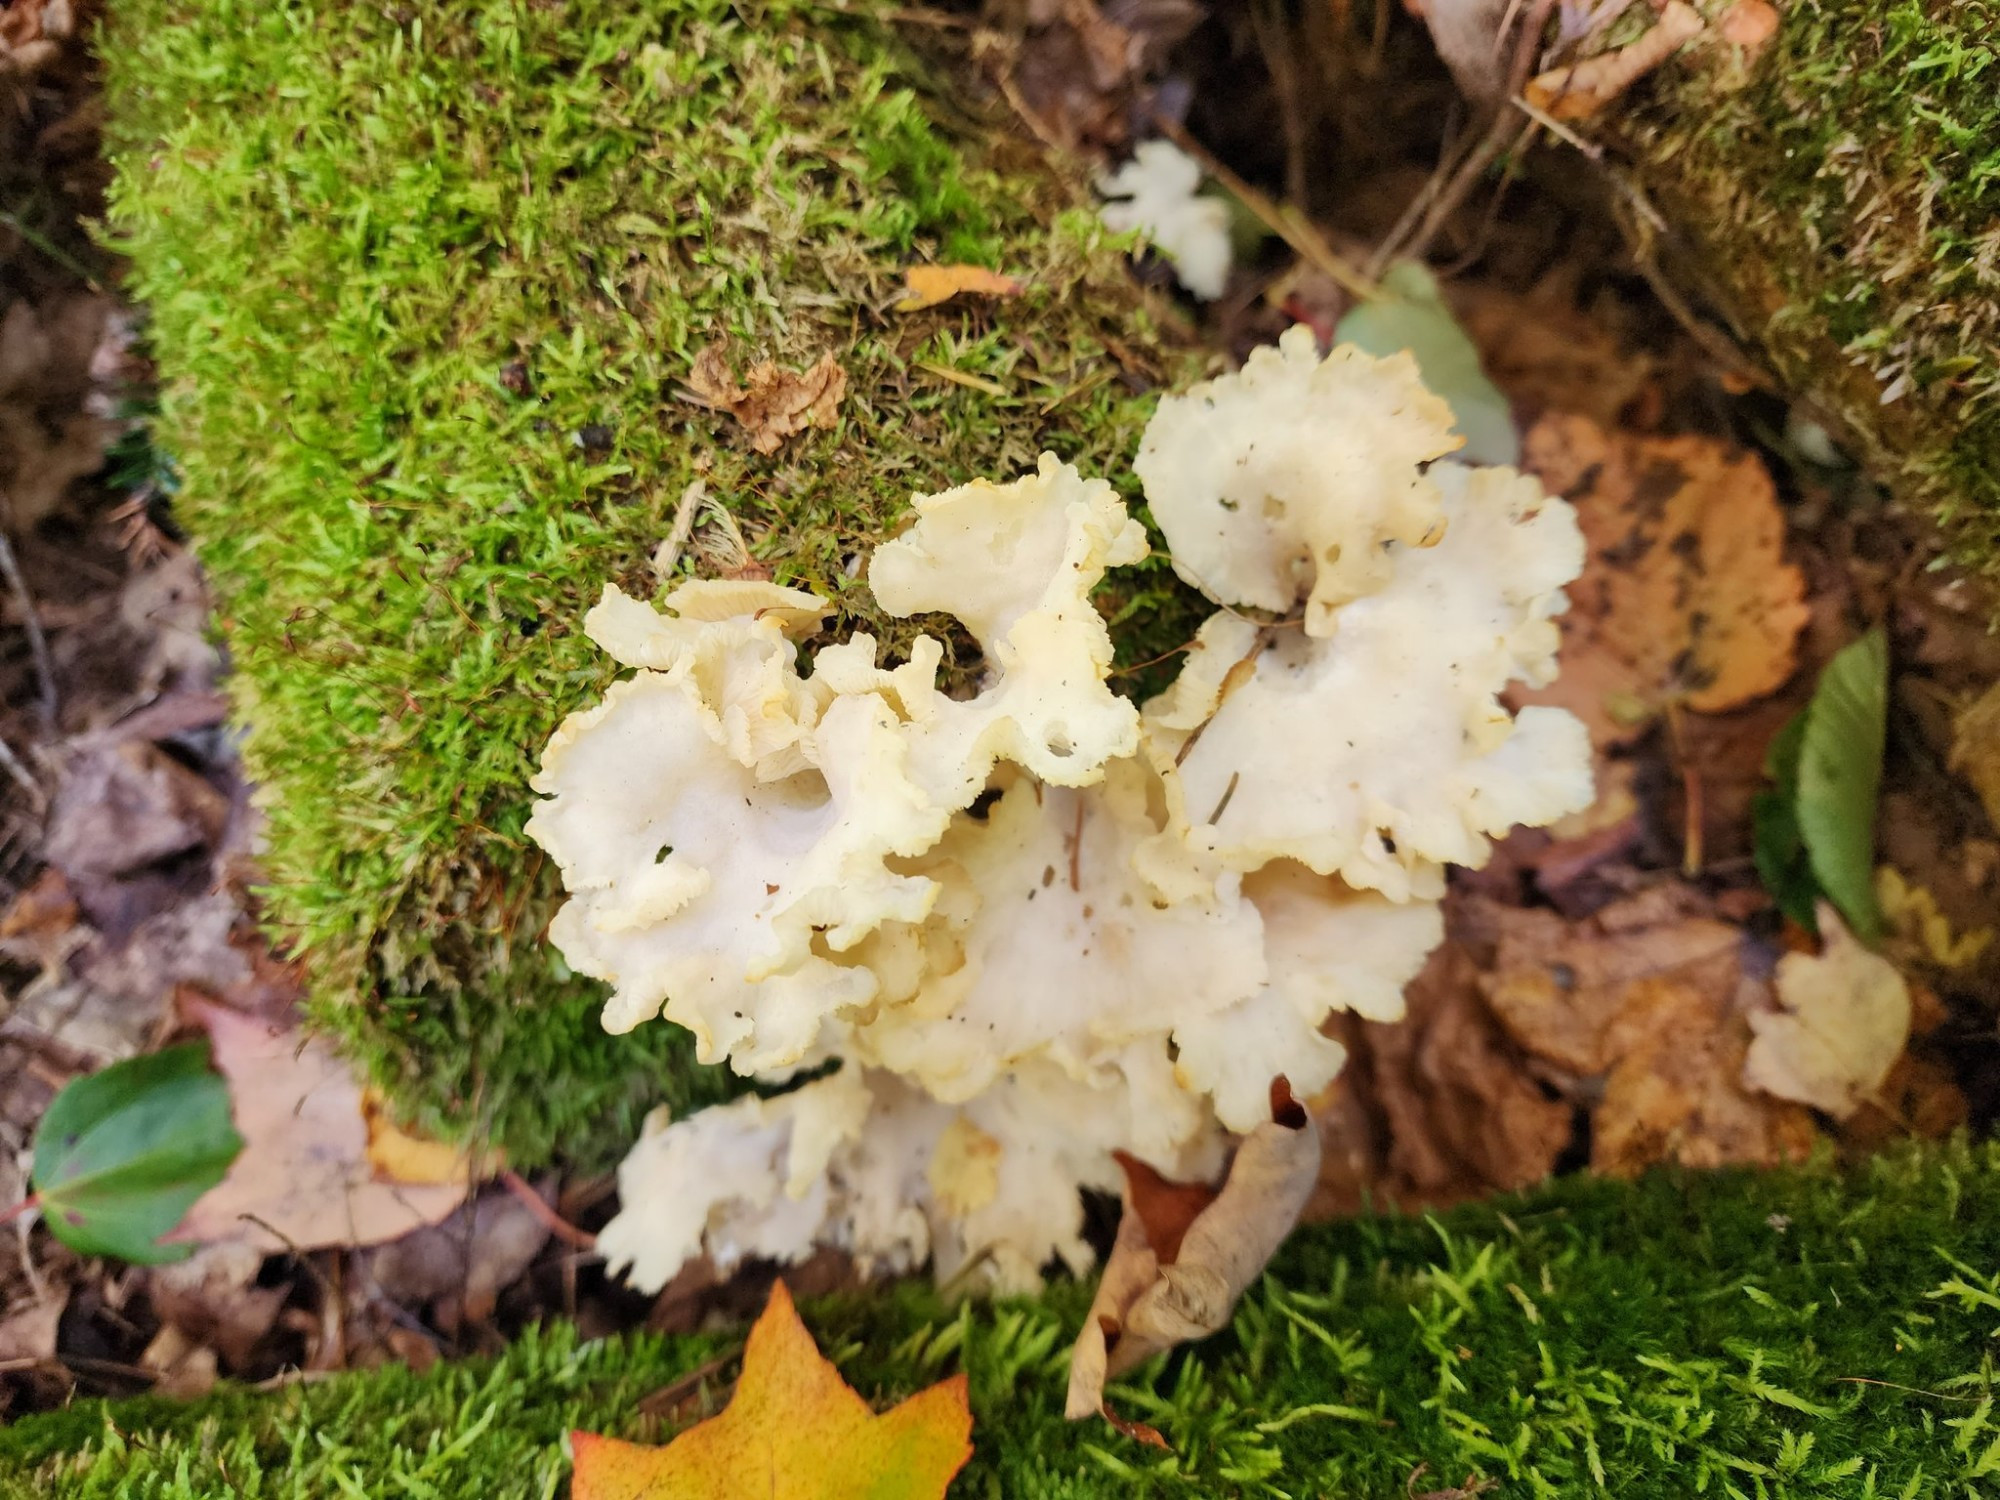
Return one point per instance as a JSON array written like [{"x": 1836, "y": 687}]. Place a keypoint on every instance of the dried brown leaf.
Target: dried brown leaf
[
  {"x": 773, "y": 403},
  {"x": 1147, "y": 1302},
  {"x": 1559, "y": 987},
  {"x": 1674, "y": 1094},
  {"x": 1686, "y": 597}
]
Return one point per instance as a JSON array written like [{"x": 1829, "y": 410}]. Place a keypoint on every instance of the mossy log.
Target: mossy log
[
  {"x": 426, "y": 283},
  {"x": 1737, "y": 1333},
  {"x": 1836, "y": 200}
]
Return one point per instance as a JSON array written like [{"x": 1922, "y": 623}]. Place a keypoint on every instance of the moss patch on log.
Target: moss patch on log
[
  {"x": 1843, "y": 200},
  {"x": 1795, "y": 1333},
  {"x": 425, "y": 283}
]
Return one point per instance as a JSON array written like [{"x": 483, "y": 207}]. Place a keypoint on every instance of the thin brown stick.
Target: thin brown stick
[
  {"x": 31, "y": 626},
  {"x": 547, "y": 1217},
  {"x": 1284, "y": 220}
]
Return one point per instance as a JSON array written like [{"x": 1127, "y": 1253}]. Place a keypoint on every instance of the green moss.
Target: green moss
[
  {"x": 1799, "y": 1333},
  {"x": 347, "y": 221},
  {"x": 1844, "y": 204}
]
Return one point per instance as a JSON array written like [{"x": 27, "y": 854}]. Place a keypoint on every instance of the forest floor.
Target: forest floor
[{"x": 128, "y": 839}]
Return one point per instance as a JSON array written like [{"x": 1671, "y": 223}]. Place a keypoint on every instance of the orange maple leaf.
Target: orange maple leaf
[{"x": 794, "y": 1430}]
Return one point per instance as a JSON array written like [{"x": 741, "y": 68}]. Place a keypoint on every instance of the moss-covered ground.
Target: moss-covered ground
[
  {"x": 1799, "y": 1333},
  {"x": 425, "y": 282},
  {"x": 1842, "y": 199}
]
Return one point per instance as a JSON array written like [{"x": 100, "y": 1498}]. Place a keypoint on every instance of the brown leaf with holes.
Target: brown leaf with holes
[
  {"x": 1686, "y": 597},
  {"x": 773, "y": 403}
]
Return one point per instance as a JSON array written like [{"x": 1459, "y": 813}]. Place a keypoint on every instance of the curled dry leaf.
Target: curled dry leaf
[
  {"x": 794, "y": 1430},
  {"x": 1686, "y": 597},
  {"x": 927, "y": 286},
  {"x": 304, "y": 1171},
  {"x": 774, "y": 403},
  {"x": 1579, "y": 90},
  {"x": 1175, "y": 1275},
  {"x": 1845, "y": 1019}
]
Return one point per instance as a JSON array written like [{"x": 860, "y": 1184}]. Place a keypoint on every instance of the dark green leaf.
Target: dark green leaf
[
  {"x": 1779, "y": 850},
  {"x": 1840, "y": 778},
  {"x": 122, "y": 1154},
  {"x": 1411, "y": 315},
  {"x": 1782, "y": 863}
]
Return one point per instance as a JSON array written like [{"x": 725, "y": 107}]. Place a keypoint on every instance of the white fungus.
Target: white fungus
[
  {"x": 1036, "y": 926},
  {"x": 1155, "y": 193}
]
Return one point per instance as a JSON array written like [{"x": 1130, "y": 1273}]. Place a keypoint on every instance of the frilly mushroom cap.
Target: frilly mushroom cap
[
  {"x": 865, "y": 1162},
  {"x": 1016, "y": 563},
  {"x": 1291, "y": 478},
  {"x": 1397, "y": 756},
  {"x": 1035, "y": 926},
  {"x": 1049, "y": 944}
]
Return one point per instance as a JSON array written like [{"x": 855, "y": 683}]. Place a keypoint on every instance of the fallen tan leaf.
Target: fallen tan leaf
[
  {"x": 304, "y": 1170},
  {"x": 1675, "y": 1092},
  {"x": 1151, "y": 1299},
  {"x": 927, "y": 286},
  {"x": 1579, "y": 90},
  {"x": 29, "y": 1333},
  {"x": 401, "y": 1156},
  {"x": 774, "y": 403},
  {"x": 1845, "y": 1020},
  {"x": 182, "y": 1368},
  {"x": 1686, "y": 597},
  {"x": 1559, "y": 987}
]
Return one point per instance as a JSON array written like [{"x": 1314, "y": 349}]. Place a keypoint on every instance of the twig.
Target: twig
[
  {"x": 31, "y": 624},
  {"x": 1283, "y": 220},
  {"x": 669, "y": 552},
  {"x": 19, "y": 772},
  {"x": 1691, "y": 787},
  {"x": 547, "y": 1217},
  {"x": 32, "y": 1201},
  {"x": 661, "y": 1403},
  {"x": 1556, "y": 128},
  {"x": 1503, "y": 135}
]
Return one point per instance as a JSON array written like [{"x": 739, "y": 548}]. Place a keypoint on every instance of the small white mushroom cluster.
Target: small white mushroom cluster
[{"x": 1038, "y": 925}]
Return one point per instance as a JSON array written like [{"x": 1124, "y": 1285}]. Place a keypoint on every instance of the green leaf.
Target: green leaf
[
  {"x": 1411, "y": 315},
  {"x": 1776, "y": 843},
  {"x": 1840, "y": 778},
  {"x": 122, "y": 1154}
]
